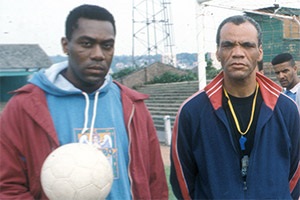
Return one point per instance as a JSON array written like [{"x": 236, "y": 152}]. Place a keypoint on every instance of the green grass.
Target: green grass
[{"x": 171, "y": 195}]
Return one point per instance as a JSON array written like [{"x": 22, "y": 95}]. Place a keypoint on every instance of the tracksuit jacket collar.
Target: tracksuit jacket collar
[{"x": 270, "y": 90}]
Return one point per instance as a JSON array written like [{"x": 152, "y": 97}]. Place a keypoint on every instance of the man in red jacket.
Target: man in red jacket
[{"x": 54, "y": 109}]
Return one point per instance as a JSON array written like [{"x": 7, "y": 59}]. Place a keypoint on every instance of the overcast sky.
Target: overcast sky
[{"x": 42, "y": 21}]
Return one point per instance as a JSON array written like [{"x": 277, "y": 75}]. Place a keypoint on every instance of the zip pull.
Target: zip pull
[
  {"x": 244, "y": 170},
  {"x": 245, "y": 164},
  {"x": 245, "y": 186}
]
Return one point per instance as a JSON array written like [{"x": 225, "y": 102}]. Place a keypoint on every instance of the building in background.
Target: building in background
[
  {"x": 17, "y": 62},
  {"x": 281, "y": 32}
]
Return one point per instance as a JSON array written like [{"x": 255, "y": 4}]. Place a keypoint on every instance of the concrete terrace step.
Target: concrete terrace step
[
  {"x": 167, "y": 109},
  {"x": 165, "y": 100},
  {"x": 173, "y": 88},
  {"x": 160, "y": 117},
  {"x": 176, "y": 84},
  {"x": 161, "y": 121},
  {"x": 163, "y": 113},
  {"x": 185, "y": 91},
  {"x": 160, "y": 97},
  {"x": 159, "y": 105},
  {"x": 160, "y": 128},
  {"x": 169, "y": 91},
  {"x": 170, "y": 97}
]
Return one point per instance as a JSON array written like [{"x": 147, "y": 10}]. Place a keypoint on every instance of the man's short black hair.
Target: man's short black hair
[
  {"x": 88, "y": 12},
  {"x": 237, "y": 20},
  {"x": 283, "y": 57}
]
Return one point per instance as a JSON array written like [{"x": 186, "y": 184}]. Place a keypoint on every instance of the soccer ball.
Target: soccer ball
[{"x": 76, "y": 171}]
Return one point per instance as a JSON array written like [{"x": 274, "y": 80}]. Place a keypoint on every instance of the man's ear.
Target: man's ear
[
  {"x": 217, "y": 54},
  {"x": 261, "y": 52},
  {"x": 295, "y": 69},
  {"x": 64, "y": 44}
]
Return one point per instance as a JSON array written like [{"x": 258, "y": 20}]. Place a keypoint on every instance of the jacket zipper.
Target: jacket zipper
[
  {"x": 244, "y": 170},
  {"x": 129, "y": 148}
]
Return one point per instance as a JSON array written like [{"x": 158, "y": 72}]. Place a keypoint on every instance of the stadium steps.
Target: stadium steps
[{"x": 166, "y": 99}]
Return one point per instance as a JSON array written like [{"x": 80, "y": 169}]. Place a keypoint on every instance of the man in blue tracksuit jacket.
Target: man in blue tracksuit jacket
[{"x": 239, "y": 138}]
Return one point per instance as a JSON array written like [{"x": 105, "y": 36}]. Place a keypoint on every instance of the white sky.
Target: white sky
[{"x": 42, "y": 21}]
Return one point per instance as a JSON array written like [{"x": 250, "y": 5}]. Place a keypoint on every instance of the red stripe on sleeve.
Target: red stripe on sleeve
[
  {"x": 295, "y": 179},
  {"x": 177, "y": 165}
]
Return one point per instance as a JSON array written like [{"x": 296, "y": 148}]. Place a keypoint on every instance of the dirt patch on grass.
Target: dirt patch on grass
[{"x": 165, "y": 153}]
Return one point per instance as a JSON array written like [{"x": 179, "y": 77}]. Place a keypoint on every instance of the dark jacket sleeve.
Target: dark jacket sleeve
[{"x": 294, "y": 179}]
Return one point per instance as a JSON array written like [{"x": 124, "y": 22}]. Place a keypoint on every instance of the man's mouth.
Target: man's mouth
[
  {"x": 237, "y": 65},
  {"x": 283, "y": 82},
  {"x": 95, "y": 69}
]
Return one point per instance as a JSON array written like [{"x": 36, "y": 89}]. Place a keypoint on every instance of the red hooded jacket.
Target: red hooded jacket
[{"x": 28, "y": 136}]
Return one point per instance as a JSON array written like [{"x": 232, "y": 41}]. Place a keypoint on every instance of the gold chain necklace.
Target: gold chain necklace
[{"x": 242, "y": 139}]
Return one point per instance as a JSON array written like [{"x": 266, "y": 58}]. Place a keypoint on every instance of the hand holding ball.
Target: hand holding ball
[{"x": 76, "y": 171}]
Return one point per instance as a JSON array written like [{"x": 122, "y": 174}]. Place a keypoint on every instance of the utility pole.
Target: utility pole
[
  {"x": 152, "y": 30},
  {"x": 201, "y": 44}
]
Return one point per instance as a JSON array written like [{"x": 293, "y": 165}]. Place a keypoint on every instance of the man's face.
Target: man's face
[
  {"x": 238, "y": 50},
  {"x": 286, "y": 74},
  {"x": 90, "y": 52}
]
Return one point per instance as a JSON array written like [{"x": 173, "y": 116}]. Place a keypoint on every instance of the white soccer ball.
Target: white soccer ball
[{"x": 76, "y": 171}]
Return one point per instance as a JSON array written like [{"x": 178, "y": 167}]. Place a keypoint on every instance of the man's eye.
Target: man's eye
[
  {"x": 108, "y": 46},
  {"x": 285, "y": 71},
  {"x": 248, "y": 45},
  {"x": 86, "y": 43},
  {"x": 227, "y": 45}
]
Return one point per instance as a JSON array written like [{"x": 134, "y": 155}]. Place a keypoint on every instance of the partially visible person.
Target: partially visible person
[
  {"x": 286, "y": 72},
  {"x": 260, "y": 66},
  {"x": 239, "y": 138},
  {"x": 77, "y": 101}
]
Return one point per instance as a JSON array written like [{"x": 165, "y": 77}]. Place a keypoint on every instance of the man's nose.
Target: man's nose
[
  {"x": 280, "y": 75},
  {"x": 238, "y": 51},
  {"x": 97, "y": 53}
]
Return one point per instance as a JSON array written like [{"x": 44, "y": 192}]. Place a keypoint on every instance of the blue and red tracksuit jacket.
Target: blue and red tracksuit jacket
[{"x": 205, "y": 163}]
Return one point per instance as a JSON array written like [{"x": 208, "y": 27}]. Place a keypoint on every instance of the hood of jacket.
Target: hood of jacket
[{"x": 53, "y": 82}]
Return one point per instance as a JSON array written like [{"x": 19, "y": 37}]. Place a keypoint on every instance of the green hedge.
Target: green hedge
[{"x": 170, "y": 77}]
